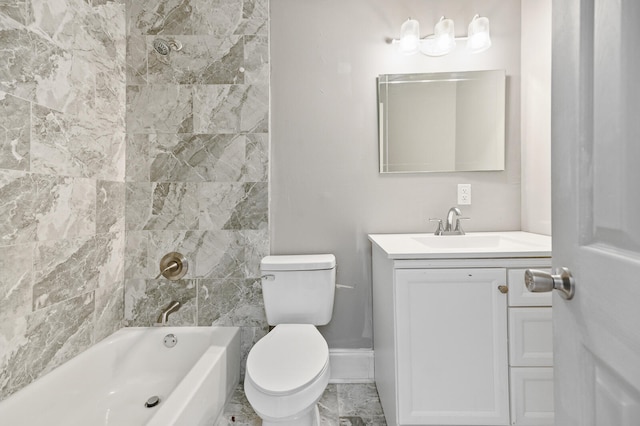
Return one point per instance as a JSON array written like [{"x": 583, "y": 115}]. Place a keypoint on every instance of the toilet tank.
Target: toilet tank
[{"x": 298, "y": 289}]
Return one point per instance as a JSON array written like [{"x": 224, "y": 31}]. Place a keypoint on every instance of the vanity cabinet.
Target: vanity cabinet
[
  {"x": 451, "y": 331},
  {"x": 460, "y": 342}
]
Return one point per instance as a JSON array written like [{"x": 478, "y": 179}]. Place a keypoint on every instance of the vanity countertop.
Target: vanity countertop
[{"x": 472, "y": 245}]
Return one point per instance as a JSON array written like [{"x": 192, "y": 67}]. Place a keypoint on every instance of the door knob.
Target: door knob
[{"x": 541, "y": 281}]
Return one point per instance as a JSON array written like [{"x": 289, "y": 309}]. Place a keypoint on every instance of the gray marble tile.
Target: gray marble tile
[
  {"x": 198, "y": 158},
  {"x": 256, "y": 60},
  {"x": 64, "y": 269},
  {"x": 255, "y": 17},
  {"x": 360, "y": 400},
  {"x": 18, "y": 10},
  {"x": 328, "y": 406},
  {"x": 231, "y": 302},
  {"x": 157, "y": 206},
  {"x": 231, "y": 108},
  {"x": 221, "y": 254},
  {"x": 36, "y": 344},
  {"x": 63, "y": 144},
  {"x": 159, "y": 108},
  {"x": 136, "y": 59},
  {"x": 202, "y": 60},
  {"x": 38, "y": 208},
  {"x": 144, "y": 300},
  {"x": 16, "y": 281},
  {"x": 256, "y": 246},
  {"x": 110, "y": 207},
  {"x": 189, "y": 17},
  {"x": 15, "y": 132},
  {"x": 39, "y": 70},
  {"x": 234, "y": 206},
  {"x": 239, "y": 411},
  {"x": 137, "y": 157},
  {"x": 136, "y": 260},
  {"x": 219, "y": 203},
  {"x": 252, "y": 209},
  {"x": 256, "y": 167},
  {"x": 111, "y": 97},
  {"x": 109, "y": 310}
]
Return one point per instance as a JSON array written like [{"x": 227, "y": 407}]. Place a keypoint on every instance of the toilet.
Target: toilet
[{"x": 288, "y": 369}]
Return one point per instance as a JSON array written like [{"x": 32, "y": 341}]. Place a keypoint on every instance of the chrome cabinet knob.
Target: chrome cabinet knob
[{"x": 541, "y": 282}]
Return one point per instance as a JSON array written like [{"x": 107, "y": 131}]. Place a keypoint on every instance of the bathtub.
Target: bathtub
[{"x": 110, "y": 383}]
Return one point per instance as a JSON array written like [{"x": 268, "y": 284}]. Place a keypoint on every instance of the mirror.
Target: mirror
[{"x": 441, "y": 122}]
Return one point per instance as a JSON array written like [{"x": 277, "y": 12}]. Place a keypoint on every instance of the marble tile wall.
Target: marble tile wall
[
  {"x": 197, "y": 125},
  {"x": 62, "y": 191}
]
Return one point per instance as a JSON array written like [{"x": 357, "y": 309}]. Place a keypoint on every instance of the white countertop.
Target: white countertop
[{"x": 472, "y": 245}]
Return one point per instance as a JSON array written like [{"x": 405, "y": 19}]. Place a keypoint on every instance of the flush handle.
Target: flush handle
[{"x": 541, "y": 282}]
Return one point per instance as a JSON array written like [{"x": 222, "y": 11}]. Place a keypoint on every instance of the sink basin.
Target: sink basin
[
  {"x": 460, "y": 241},
  {"x": 473, "y": 244}
]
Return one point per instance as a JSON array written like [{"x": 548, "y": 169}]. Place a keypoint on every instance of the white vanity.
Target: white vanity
[{"x": 458, "y": 340}]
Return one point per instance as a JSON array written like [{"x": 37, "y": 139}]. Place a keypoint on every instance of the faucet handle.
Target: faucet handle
[
  {"x": 459, "y": 226},
  {"x": 440, "y": 229}
]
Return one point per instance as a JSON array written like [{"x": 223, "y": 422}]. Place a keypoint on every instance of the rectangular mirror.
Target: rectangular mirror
[{"x": 441, "y": 122}]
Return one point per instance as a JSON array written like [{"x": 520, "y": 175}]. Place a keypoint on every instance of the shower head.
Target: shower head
[{"x": 164, "y": 47}]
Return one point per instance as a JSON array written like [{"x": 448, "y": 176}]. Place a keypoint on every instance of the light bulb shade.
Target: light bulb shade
[
  {"x": 479, "y": 38},
  {"x": 410, "y": 37},
  {"x": 443, "y": 39}
]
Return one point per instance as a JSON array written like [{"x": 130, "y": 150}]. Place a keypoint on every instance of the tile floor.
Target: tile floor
[{"x": 340, "y": 405}]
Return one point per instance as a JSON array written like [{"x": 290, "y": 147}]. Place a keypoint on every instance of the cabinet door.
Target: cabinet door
[
  {"x": 530, "y": 337},
  {"x": 532, "y": 396},
  {"x": 452, "y": 347}
]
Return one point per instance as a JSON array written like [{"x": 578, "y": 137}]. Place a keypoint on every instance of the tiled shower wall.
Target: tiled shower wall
[
  {"x": 197, "y": 161},
  {"x": 113, "y": 155},
  {"x": 62, "y": 191}
]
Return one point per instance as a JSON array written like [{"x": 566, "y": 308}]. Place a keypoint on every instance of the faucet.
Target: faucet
[
  {"x": 454, "y": 215},
  {"x": 164, "y": 315}
]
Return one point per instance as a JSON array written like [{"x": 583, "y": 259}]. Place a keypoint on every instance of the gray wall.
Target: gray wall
[
  {"x": 62, "y": 161},
  {"x": 326, "y": 193}
]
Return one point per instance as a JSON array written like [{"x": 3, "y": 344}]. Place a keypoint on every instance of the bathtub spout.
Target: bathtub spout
[{"x": 164, "y": 315}]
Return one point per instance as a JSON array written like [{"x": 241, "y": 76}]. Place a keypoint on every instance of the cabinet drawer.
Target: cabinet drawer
[
  {"x": 518, "y": 293},
  {"x": 532, "y": 396},
  {"x": 530, "y": 337}
]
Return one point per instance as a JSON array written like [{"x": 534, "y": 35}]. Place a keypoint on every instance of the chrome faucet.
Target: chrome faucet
[
  {"x": 452, "y": 224},
  {"x": 454, "y": 214},
  {"x": 164, "y": 315}
]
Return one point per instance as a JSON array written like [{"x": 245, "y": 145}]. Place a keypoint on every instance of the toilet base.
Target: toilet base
[{"x": 311, "y": 418}]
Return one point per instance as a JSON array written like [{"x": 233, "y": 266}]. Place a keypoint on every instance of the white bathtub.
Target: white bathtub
[{"x": 109, "y": 383}]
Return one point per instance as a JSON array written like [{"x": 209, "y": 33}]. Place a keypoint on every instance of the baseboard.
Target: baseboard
[{"x": 351, "y": 365}]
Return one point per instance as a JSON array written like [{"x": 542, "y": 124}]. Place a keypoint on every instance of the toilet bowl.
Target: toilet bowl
[
  {"x": 288, "y": 369},
  {"x": 287, "y": 373}
]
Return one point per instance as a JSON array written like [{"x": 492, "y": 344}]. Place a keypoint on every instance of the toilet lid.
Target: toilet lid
[{"x": 287, "y": 359}]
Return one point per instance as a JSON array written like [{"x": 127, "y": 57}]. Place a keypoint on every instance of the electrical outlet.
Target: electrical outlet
[{"x": 464, "y": 194}]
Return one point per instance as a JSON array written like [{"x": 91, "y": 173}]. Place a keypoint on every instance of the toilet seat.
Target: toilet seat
[{"x": 287, "y": 359}]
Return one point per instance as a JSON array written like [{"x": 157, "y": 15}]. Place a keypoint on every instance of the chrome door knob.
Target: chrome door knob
[{"x": 541, "y": 281}]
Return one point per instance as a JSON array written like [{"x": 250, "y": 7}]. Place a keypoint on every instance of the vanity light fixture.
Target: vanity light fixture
[
  {"x": 443, "y": 39},
  {"x": 410, "y": 37},
  {"x": 478, "y": 39}
]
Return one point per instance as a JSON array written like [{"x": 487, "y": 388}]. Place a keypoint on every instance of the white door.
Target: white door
[{"x": 596, "y": 210}]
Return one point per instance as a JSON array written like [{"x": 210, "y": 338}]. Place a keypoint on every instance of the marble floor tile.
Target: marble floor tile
[{"x": 340, "y": 405}]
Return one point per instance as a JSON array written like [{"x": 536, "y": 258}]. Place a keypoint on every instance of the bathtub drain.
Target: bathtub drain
[{"x": 152, "y": 402}]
